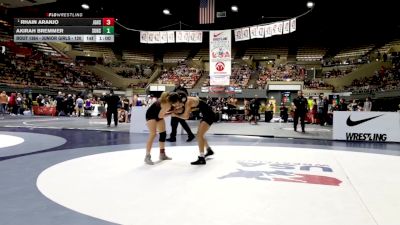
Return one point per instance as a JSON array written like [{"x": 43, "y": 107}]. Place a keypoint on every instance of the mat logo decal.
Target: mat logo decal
[{"x": 285, "y": 172}]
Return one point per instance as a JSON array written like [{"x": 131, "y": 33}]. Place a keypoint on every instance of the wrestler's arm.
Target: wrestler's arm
[
  {"x": 191, "y": 102},
  {"x": 165, "y": 110}
]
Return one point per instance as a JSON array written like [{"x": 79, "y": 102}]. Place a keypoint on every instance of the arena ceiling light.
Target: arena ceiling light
[
  {"x": 310, "y": 5},
  {"x": 85, "y": 6},
  {"x": 166, "y": 12},
  {"x": 234, "y": 8}
]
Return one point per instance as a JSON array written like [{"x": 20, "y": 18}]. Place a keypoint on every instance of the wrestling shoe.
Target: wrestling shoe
[
  {"x": 164, "y": 156},
  {"x": 199, "y": 161},
  {"x": 209, "y": 152},
  {"x": 148, "y": 160}
]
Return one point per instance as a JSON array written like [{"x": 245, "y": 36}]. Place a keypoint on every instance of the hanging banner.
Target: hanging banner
[
  {"x": 279, "y": 28},
  {"x": 274, "y": 29},
  {"x": 293, "y": 25},
  {"x": 246, "y": 33},
  {"x": 253, "y": 32},
  {"x": 195, "y": 37},
  {"x": 163, "y": 37},
  {"x": 171, "y": 36},
  {"x": 143, "y": 37},
  {"x": 268, "y": 30},
  {"x": 286, "y": 27},
  {"x": 151, "y": 38},
  {"x": 157, "y": 38},
  {"x": 179, "y": 37},
  {"x": 260, "y": 31},
  {"x": 220, "y": 57},
  {"x": 186, "y": 36},
  {"x": 238, "y": 35}
]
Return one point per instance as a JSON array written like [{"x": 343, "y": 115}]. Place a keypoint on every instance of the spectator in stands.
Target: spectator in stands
[
  {"x": 88, "y": 107},
  {"x": 19, "y": 104},
  {"x": 176, "y": 120},
  {"x": 69, "y": 105},
  {"x": 79, "y": 106},
  {"x": 12, "y": 104},
  {"x": 323, "y": 107},
  {"x": 314, "y": 111},
  {"x": 284, "y": 112},
  {"x": 27, "y": 103},
  {"x": 367, "y": 104},
  {"x": 39, "y": 100},
  {"x": 60, "y": 103},
  {"x": 353, "y": 106},
  {"x": 342, "y": 105},
  {"x": 254, "y": 108},
  {"x": 300, "y": 111},
  {"x": 3, "y": 102},
  {"x": 127, "y": 108},
  {"x": 112, "y": 101}
]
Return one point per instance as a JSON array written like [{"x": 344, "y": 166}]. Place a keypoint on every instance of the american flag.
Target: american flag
[{"x": 207, "y": 11}]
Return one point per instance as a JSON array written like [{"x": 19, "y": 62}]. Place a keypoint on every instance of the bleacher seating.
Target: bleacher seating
[
  {"x": 138, "y": 56},
  {"x": 108, "y": 53},
  {"x": 175, "y": 56},
  {"x": 307, "y": 53},
  {"x": 351, "y": 53},
  {"x": 203, "y": 54},
  {"x": 267, "y": 53},
  {"x": 280, "y": 73},
  {"x": 180, "y": 74},
  {"x": 38, "y": 70},
  {"x": 386, "y": 48}
]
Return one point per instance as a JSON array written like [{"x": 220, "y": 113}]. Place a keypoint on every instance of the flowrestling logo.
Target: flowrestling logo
[
  {"x": 284, "y": 172},
  {"x": 351, "y": 123}
]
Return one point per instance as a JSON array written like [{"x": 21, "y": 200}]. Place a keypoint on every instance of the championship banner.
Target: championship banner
[
  {"x": 274, "y": 29},
  {"x": 246, "y": 33},
  {"x": 253, "y": 32},
  {"x": 195, "y": 37},
  {"x": 220, "y": 57},
  {"x": 179, "y": 37},
  {"x": 279, "y": 28},
  {"x": 163, "y": 37},
  {"x": 151, "y": 38},
  {"x": 286, "y": 27},
  {"x": 260, "y": 31},
  {"x": 238, "y": 35},
  {"x": 143, "y": 37},
  {"x": 171, "y": 36},
  {"x": 293, "y": 25},
  {"x": 157, "y": 38},
  {"x": 186, "y": 36},
  {"x": 268, "y": 30}
]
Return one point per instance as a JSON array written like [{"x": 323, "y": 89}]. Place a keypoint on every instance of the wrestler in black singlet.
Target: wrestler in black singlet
[
  {"x": 153, "y": 111},
  {"x": 207, "y": 112}
]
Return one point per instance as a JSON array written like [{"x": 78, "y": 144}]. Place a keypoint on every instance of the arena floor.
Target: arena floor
[{"x": 78, "y": 171}]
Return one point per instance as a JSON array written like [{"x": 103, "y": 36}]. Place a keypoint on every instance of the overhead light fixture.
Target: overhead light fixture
[
  {"x": 166, "y": 12},
  {"x": 85, "y": 6},
  {"x": 310, "y": 5},
  {"x": 234, "y": 8}
]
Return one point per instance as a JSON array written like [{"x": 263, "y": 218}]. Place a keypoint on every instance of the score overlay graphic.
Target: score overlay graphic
[{"x": 64, "y": 30}]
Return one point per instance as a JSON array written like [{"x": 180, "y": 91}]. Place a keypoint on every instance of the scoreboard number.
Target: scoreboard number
[
  {"x": 108, "y": 30},
  {"x": 108, "y": 21}
]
